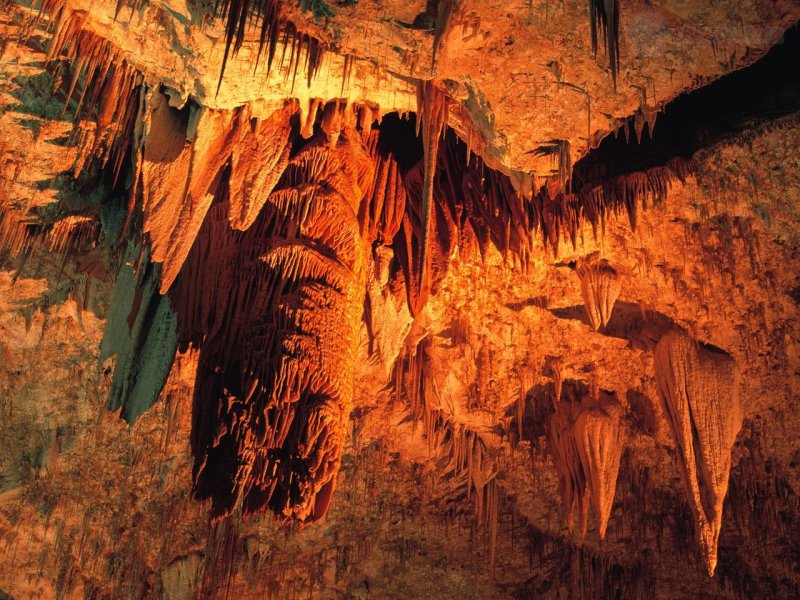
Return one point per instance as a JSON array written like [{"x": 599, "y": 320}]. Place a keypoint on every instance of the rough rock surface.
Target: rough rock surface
[{"x": 434, "y": 418}]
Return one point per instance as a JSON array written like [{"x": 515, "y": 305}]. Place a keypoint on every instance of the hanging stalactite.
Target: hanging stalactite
[
  {"x": 106, "y": 88},
  {"x": 586, "y": 436},
  {"x": 432, "y": 110},
  {"x": 600, "y": 287},
  {"x": 604, "y": 21},
  {"x": 699, "y": 389},
  {"x": 275, "y": 311},
  {"x": 600, "y": 438}
]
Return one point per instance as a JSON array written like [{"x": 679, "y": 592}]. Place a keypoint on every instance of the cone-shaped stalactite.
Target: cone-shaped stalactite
[
  {"x": 600, "y": 438},
  {"x": 698, "y": 385},
  {"x": 432, "y": 109},
  {"x": 600, "y": 287},
  {"x": 566, "y": 458},
  {"x": 586, "y": 438}
]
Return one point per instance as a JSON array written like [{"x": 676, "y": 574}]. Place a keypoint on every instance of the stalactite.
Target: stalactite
[
  {"x": 604, "y": 19},
  {"x": 239, "y": 15},
  {"x": 256, "y": 165},
  {"x": 141, "y": 333},
  {"x": 432, "y": 111},
  {"x": 275, "y": 311},
  {"x": 600, "y": 437},
  {"x": 600, "y": 288},
  {"x": 563, "y": 214},
  {"x": 73, "y": 229},
  {"x": 109, "y": 94},
  {"x": 699, "y": 389},
  {"x": 586, "y": 436},
  {"x": 459, "y": 447},
  {"x": 17, "y": 231},
  {"x": 182, "y": 157},
  {"x": 567, "y": 460}
]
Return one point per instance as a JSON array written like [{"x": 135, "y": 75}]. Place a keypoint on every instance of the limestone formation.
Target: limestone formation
[
  {"x": 600, "y": 288},
  {"x": 586, "y": 439},
  {"x": 284, "y": 312},
  {"x": 600, "y": 438},
  {"x": 699, "y": 387}
]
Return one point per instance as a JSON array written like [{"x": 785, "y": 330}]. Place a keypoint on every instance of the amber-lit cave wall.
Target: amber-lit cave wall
[{"x": 470, "y": 461}]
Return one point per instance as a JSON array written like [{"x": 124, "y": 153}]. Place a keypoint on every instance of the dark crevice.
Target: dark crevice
[{"x": 766, "y": 90}]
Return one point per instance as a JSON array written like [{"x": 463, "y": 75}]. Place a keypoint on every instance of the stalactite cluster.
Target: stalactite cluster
[
  {"x": 240, "y": 15},
  {"x": 604, "y": 21},
  {"x": 596, "y": 198},
  {"x": 261, "y": 240},
  {"x": 460, "y": 447},
  {"x": 275, "y": 310},
  {"x": 699, "y": 389},
  {"x": 600, "y": 287},
  {"x": 107, "y": 85},
  {"x": 586, "y": 440}
]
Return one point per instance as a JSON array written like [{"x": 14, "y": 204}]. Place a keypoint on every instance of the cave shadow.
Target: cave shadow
[
  {"x": 629, "y": 321},
  {"x": 44, "y": 96},
  {"x": 539, "y": 405},
  {"x": 537, "y": 301}
]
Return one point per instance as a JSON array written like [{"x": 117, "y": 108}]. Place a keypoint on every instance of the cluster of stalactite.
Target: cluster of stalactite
[
  {"x": 600, "y": 287},
  {"x": 240, "y": 16},
  {"x": 106, "y": 88},
  {"x": 586, "y": 439},
  {"x": 260, "y": 240},
  {"x": 275, "y": 309},
  {"x": 561, "y": 216},
  {"x": 465, "y": 454},
  {"x": 699, "y": 389},
  {"x": 604, "y": 21}
]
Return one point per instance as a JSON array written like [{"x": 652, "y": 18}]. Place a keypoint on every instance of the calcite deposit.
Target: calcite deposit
[{"x": 380, "y": 299}]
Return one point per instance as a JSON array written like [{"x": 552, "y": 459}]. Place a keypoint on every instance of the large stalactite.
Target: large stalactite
[
  {"x": 275, "y": 310},
  {"x": 699, "y": 386}
]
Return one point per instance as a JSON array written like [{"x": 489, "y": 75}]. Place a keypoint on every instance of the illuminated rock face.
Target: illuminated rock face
[
  {"x": 333, "y": 268},
  {"x": 700, "y": 390}
]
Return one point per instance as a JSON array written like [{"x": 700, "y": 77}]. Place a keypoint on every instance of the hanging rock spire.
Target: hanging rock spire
[
  {"x": 698, "y": 385},
  {"x": 600, "y": 287}
]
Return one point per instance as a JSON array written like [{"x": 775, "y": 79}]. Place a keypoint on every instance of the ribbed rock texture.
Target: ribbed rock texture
[
  {"x": 600, "y": 288},
  {"x": 699, "y": 387}
]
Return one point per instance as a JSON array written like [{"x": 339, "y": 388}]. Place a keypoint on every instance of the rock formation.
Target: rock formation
[
  {"x": 294, "y": 294},
  {"x": 600, "y": 287},
  {"x": 586, "y": 439},
  {"x": 699, "y": 386}
]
